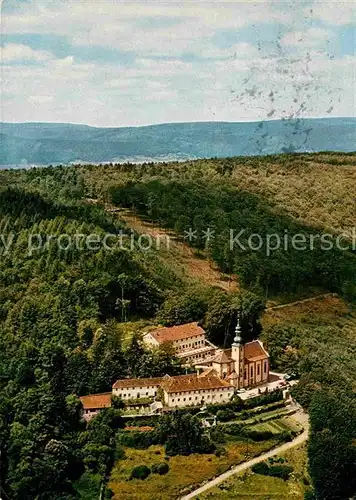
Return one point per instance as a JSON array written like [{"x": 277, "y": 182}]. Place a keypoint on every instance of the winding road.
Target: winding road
[{"x": 300, "y": 416}]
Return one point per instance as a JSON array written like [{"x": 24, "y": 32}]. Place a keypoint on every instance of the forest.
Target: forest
[
  {"x": 220, "y": 197},
  {"x": 63, "y": 310}
]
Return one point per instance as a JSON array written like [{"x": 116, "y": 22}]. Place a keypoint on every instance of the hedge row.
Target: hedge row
[
  {"x": 281, "y": 471},
  {"x": 265, "y": 435},
  {"x": 264, "y": 399},
  {"x": 141, "y": 420},
  {"x": 137, "y": 439},
  {"x": 227, "y": 414},
  {"x": 237, "y": 405}
]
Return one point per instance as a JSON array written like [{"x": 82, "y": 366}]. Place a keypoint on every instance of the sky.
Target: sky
[{"x": 119, "y": 63}]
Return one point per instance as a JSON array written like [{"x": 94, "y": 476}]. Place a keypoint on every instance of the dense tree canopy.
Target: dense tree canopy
[
  {"x": 60, "y": 306},
  {"x": 64, "y": 298}
]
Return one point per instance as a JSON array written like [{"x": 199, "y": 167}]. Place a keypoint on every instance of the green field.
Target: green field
[
  {"x": 188, "y": 471},
  {"x": 184, "y": 472},
  {"x": 277, "y": 426},
  {"x": 250, "y": 486}
]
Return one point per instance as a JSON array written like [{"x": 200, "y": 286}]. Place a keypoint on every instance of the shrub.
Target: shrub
[
  {"x": 236, "y": 405},
  {"x": 277, "y": 460},
  {"x": 225, "y": 415},
  {"x": 281, "y": 471},
  {"x": 233, "y": 429},
  {"x": 141, "y": 420},
  {"x": 261, "y": 409},
  {"x": 217, "y": 434},
  {"x": 161, "y": 468},
  {"x": 260, "y": 468},
  {"x": 119, "y": 452},
  {"x": 258, "y": 435},
  {"x": 285, "y": 436},
  {"x": 137, "y": 439},
  {"x": 309, "y": 495},
  {"x": 108, "y": 493},
  {"x": 205, "y": 446},
  {"x": 264, "y": 399},
  {"x": 140, "y": 472},
  {"x": 220, "y": 450}
]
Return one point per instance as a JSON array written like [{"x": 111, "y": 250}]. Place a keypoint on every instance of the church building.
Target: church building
[
  {"x": 219, "y": 372},
  {"x": 245, "y": 365}
]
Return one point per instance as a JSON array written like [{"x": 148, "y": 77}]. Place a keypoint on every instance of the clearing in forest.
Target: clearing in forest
[{"x": 179, "y": 254}]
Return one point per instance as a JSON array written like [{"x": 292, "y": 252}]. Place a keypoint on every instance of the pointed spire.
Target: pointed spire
[{"x": 237, "y": 339}]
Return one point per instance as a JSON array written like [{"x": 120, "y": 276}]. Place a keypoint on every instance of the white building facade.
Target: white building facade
[
  {"x": 136, "y": 388},
  {"x": 219, "y": 371}
]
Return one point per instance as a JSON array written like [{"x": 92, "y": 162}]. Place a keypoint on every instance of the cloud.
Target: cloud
[
  {"x": 174, "y": 61},
  {"x": 189, "y": 29},
  {"x": 232, "y": 90},
  {"x": 13, "y": 52},
  {"x": 40, "y": 99},
  {"x": 241, "y": 50},
  {"x": 308, "y": 38},
  {"x": 122, "y": 17},
  {"x": 334, "y": 13}
]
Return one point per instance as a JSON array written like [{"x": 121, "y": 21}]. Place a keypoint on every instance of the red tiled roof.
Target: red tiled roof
[
  {"x": 208, "y": 372},
  {"x": 221, "y": 358},
  {"x": 187, "y": 383},
  {"x": 179, "y": 332},
  {"x": 254, "y": 351},
  {"x": 137, "y": 382},
  {"x": 94, "y": 401}
]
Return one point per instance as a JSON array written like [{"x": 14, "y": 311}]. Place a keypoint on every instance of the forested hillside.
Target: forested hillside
[
  {"x": 46, "y": 143},
  {"x": 280, "y": 196},
  {"x": 58, "y": 331},
  {"x": 67, "y": 302},
  {"x": 297, "y": 194}
]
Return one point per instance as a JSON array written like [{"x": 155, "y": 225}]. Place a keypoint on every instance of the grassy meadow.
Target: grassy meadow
[
  {"x": 184, "y": 471},
  {"x": 251, "y": 486}
]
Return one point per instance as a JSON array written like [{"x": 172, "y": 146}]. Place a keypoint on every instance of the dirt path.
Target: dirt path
[
  {"x": 300, "y": 416},
  {"x": 179, "y": 252},
  {"x": 184, "y": 257},
  {"x": 303, "y": 301},
  {"x": 199, "y": 268}
]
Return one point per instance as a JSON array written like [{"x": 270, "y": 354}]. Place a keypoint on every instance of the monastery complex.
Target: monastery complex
[{"x": 219, "y": 372}]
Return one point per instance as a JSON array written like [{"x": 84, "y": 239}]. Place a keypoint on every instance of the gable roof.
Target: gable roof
[
  {"x": 254, "y": 351},
  {"x": 209, "y": 371},
  {"x": 137, "y": 382},
  {"x": 96, "y": 401},
  {"x": 187, "y": 383},
  {"x": 178, "y": 332},
  {"x": 221, "y": 358}
]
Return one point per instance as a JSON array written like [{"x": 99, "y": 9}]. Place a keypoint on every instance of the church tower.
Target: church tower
[{"x": 237, "y": 356}]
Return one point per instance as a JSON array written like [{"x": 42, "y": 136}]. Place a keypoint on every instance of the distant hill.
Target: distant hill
[{"x": 44, "y": 143}]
